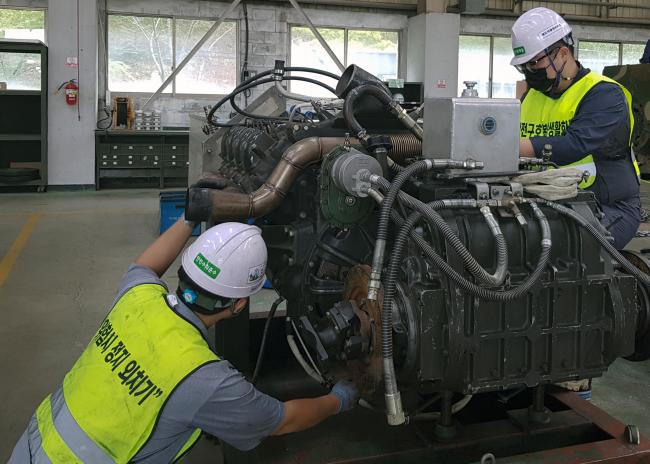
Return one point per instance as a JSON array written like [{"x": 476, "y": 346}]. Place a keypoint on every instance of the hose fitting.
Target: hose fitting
[{"x": 394, "y": 410}]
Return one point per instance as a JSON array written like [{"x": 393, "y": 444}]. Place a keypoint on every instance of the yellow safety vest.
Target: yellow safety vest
[
  {"x": 117, "y": 389},
  {"x": 549, "y": 117}
]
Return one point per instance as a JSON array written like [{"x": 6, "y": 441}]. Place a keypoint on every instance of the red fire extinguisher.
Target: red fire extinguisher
[{"x": 71, "y": 91}]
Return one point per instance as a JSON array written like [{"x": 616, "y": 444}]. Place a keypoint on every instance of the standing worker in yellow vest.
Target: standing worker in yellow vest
[
  {"x": 586, "y": 118},
  {"x": 149, "y": 382}
]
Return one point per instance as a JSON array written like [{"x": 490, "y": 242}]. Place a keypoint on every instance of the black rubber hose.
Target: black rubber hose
[
  {"x": 393, "y": 190},
  {"x": 265, "y": 334},
  {"x": 350, "y": 102},
  {"x": 473, "y": 267},
  {"x": 609, "y": 248},
  {"x": 472, "y": 288},
  {"x": 259, "y": 76},
  {"x": 275, "y": 118},
  {"x": 235, "y": 91}
]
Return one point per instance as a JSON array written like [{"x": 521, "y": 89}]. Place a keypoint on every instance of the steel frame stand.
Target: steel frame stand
[{"x": 576, "y": 432}]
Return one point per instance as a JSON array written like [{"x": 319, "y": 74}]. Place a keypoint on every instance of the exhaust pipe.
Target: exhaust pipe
[{"x": 229, "y": 205}]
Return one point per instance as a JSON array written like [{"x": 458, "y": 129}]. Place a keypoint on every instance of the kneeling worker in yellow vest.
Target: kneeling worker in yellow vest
[
  {"x": 148, "y": 383},
  {"x": 586, "y": 118}
]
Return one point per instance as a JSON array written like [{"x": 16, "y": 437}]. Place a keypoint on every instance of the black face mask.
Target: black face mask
[{"x": 539, "y": 81}]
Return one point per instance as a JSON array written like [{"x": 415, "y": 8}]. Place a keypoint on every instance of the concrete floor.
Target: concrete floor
[{"x": 63, "y": 280}]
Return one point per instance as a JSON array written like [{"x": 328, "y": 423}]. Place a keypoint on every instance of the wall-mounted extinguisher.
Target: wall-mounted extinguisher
[{"x": 71, "y": 91}]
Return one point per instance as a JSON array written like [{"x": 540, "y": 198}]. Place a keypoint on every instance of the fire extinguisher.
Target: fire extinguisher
[{"x": 71, "y": 91}]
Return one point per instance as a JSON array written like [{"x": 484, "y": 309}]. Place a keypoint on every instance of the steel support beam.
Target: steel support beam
[
  {"x": 194, "y": 50},
  {"x": 318, "y": 35}
]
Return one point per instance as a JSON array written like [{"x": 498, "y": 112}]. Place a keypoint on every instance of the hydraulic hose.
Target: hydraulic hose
[
  {"x": 613, "y": 252},
  {"x": 470, "y": 287},
  {"x": 472, "y": 266},
  {"x": 390, "y": 382},
  {"x": 384, "y": 217}
]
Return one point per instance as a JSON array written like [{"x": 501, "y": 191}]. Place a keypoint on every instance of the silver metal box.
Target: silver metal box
[{"x": 481, "y": 129}]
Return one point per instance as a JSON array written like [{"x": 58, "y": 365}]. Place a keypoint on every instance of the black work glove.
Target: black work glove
[{"x": 198, "y": 202}]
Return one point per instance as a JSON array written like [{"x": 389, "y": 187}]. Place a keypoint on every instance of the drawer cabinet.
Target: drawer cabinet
[{"x": 161, "y": 157}]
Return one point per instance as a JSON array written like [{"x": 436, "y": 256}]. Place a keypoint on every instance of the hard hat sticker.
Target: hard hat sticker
[
  {"x": 210, "y": 269},
  {"x": 256, "y": 273},
  {"x": 519, "y": 51}
]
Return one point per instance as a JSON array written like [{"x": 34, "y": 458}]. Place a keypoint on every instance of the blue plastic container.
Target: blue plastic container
[{"x": 172, "y": 206}]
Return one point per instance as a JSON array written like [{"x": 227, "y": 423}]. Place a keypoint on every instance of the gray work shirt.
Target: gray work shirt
[{"x": 216, "y": 398}]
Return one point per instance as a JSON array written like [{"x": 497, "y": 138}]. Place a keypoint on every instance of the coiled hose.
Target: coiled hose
[
  {"x": 472, "y": 266},
  {"x": 609, "y": 248}
]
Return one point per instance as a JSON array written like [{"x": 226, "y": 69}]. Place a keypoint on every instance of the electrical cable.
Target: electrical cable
[
  {"x": 244, "y": 68},
  {"x": 267, "y": 325}
]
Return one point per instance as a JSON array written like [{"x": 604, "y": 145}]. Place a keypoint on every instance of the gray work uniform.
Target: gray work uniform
[{"x": 216, "y": 398}]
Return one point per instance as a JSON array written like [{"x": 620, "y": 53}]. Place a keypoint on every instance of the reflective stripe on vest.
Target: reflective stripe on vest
[
  {"x": 112, "y": 397},
  {"x": 548, "y": 117}
]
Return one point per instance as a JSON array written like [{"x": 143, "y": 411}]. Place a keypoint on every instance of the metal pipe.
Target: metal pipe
[
  {"x": 318, "y": 35},
  {"x": 194, "y": 51},
  {"x": 291, "y": 96},
  {"x": 222, "y": 205}
]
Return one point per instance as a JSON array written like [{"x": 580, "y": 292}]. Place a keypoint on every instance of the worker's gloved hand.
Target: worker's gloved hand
[
  {"x": 198, "y": 203},
  {"x": 347, "y": 394}
]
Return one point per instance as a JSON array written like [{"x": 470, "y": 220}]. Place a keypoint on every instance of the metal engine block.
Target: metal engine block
[{"x": 446, "y": 331}]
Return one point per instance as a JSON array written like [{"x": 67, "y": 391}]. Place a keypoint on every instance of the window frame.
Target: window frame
[
  {"x": 346, "y": 30},
  {"x": 31, "y": 8},
  {"x": 620, "y": 44},
  {"x": 576, "y": 51},
  {"x": 173, "y": 19}
]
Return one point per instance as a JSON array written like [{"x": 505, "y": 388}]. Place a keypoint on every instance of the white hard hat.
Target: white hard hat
[
  {"x": 535, "y": 31},
  {"x": 227, "y": 260}
]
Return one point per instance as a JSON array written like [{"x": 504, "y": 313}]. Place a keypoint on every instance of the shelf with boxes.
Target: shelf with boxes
[{"x": 150, "y": 157}]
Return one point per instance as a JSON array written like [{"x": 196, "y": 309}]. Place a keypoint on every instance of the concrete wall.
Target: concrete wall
[
  {"x": 269, "y": 39},
  {"x": 433, "y": 53}
]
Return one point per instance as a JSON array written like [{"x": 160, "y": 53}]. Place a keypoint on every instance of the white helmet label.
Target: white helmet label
[
  {"x": 210, "y": 269},
  {"x": 256, "y": 273}
]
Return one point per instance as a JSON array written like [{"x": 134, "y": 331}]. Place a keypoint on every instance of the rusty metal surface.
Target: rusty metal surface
[{"x": 366, "y": 372}]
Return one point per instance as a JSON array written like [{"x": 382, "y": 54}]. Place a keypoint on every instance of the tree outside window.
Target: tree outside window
[
  {"x": 376, "y": 51},
  {"x": 142, "y": 51},
  {"x": 21, "y": 71}
]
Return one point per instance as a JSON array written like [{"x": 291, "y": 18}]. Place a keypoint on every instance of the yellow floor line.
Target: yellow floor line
[{"x": 10, "y": 258}]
